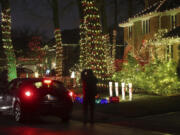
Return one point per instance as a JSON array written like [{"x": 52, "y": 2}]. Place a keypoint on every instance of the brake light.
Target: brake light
[
  {"x": 47, "y": 81},
  {"x": 28, "y": 93}
]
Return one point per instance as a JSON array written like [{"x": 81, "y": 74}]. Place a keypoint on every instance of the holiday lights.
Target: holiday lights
[
  {"x": 59, "y": 53},
  {"x": 146, "y": 13},
  {"x": 110, "y": 89},
  {"x": 83, "y": 45},
  {"x": 92, "y": 43},
  {"x": 57, "y": 34},
  {"x": 123, "y": 90},
  {"x": 7, "y": 42}
]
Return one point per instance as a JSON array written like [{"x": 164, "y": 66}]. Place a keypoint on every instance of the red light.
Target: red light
[
  {"x": 28, "y": 93},
  {"x": 71, "y": 93},
  {"x": 47, "y": 82}
]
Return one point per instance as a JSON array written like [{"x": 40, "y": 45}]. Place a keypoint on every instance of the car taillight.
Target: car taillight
[{"x": 28, "y": 93}]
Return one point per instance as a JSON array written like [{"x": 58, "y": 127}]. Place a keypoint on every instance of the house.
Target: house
[{"x": 140, "y": 29}]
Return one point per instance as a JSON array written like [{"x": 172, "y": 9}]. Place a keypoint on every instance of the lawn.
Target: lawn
[{"x": 141, "y": 105}]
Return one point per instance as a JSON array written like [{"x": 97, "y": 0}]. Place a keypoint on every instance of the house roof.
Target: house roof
[
  {"x": 160, "y": 6},
  {"x": 150, "y": 9},
  {"x": 168, "y": 4},
  {"x": 173, "y": 32}
]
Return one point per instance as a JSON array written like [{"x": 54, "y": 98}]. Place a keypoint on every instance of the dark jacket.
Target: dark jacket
[{"x": 89, "y": 84}]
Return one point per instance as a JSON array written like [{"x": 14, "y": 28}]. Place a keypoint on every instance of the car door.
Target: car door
[{"x": 9, "y": 94}]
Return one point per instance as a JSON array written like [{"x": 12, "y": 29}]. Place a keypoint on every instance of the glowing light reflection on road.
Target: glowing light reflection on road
[{"x": 35, "y": 131}]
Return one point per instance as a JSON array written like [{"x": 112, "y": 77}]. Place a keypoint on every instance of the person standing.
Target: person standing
[{"x": 89, "y": 85}]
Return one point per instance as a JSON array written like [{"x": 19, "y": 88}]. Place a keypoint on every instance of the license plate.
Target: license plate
[{"x": 50, "y": 97}]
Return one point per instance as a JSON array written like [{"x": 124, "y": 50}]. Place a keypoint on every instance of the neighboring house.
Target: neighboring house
[
  {"x": 164, "y": 14},
  {"x": 24, "y": 72},
  {"x": 70, "y": 57}
]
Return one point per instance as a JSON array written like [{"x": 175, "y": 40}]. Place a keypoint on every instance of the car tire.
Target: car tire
[{"x": 18, "y": 114}]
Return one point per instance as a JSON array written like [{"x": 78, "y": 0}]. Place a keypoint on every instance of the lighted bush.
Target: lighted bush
[
  {"x": 165, "y": 81},
  {"x": 157, "y": 77}
]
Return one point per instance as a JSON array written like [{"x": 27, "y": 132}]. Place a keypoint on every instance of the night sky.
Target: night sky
[{"x": 37, "y": 15}]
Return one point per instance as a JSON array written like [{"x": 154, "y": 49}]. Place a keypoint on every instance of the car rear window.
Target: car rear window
[{"x": 53, "y": 85}]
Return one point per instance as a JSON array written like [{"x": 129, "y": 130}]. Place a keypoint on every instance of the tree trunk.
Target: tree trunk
[
  {"x": 115, "y": 30},
  {"x": 80, "y": 9},
  {"x": 130, "y": 8},
  {"x": 57, "y": 34},
  {"x": 6, "y": 40}
]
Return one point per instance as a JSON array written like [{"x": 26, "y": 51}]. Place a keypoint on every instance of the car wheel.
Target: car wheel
[{"x": 18, "y": 116}]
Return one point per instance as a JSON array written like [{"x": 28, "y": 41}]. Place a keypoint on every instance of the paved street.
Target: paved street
[
  {"x": 53, "y": 126},
  {"x": 106, "y": 124}
]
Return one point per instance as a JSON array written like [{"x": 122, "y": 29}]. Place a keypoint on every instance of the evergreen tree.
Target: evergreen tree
[{"x": 94, "y": 44}]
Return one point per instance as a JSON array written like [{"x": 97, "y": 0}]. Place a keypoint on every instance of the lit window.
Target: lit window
[{"x": 38, "y": 84}]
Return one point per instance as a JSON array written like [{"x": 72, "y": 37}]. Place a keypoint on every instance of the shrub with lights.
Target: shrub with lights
[{"x": 157, "y": 77}]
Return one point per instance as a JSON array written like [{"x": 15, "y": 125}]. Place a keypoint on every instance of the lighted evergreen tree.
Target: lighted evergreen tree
[
  {"x": 83, "y": 46},
  {"x": 57, "y": 34},
  {"x": 6, "y": 39},
  {"x": 94, "y": 45}
]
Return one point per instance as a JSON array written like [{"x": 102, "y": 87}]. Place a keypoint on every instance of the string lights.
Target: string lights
[
  {"x": 59, "y": 53},
  {"x": 7, "y": 42},
  {"x": 92, "y": 43},
  {"x": 151, "y": 11}
]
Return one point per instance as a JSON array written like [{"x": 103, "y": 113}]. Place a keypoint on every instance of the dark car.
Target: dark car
[{"x": 27, "y": 97}]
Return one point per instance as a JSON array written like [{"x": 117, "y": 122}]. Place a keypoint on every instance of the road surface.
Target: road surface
[{"x": 54, "y": 126}]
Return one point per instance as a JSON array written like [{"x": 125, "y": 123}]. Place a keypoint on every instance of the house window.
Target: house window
[
  {"x": 130, "y": 32},
  {"x": 169, "y": 52},
  {"x": 173, "y": 19},
  {"x": 145, "y": 26}
]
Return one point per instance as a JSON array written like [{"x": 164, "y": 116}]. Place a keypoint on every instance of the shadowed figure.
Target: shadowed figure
[{"x": 89, "y": 82}]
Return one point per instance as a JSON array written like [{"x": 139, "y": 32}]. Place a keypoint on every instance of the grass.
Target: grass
[{"x": 141, "y": 105}]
